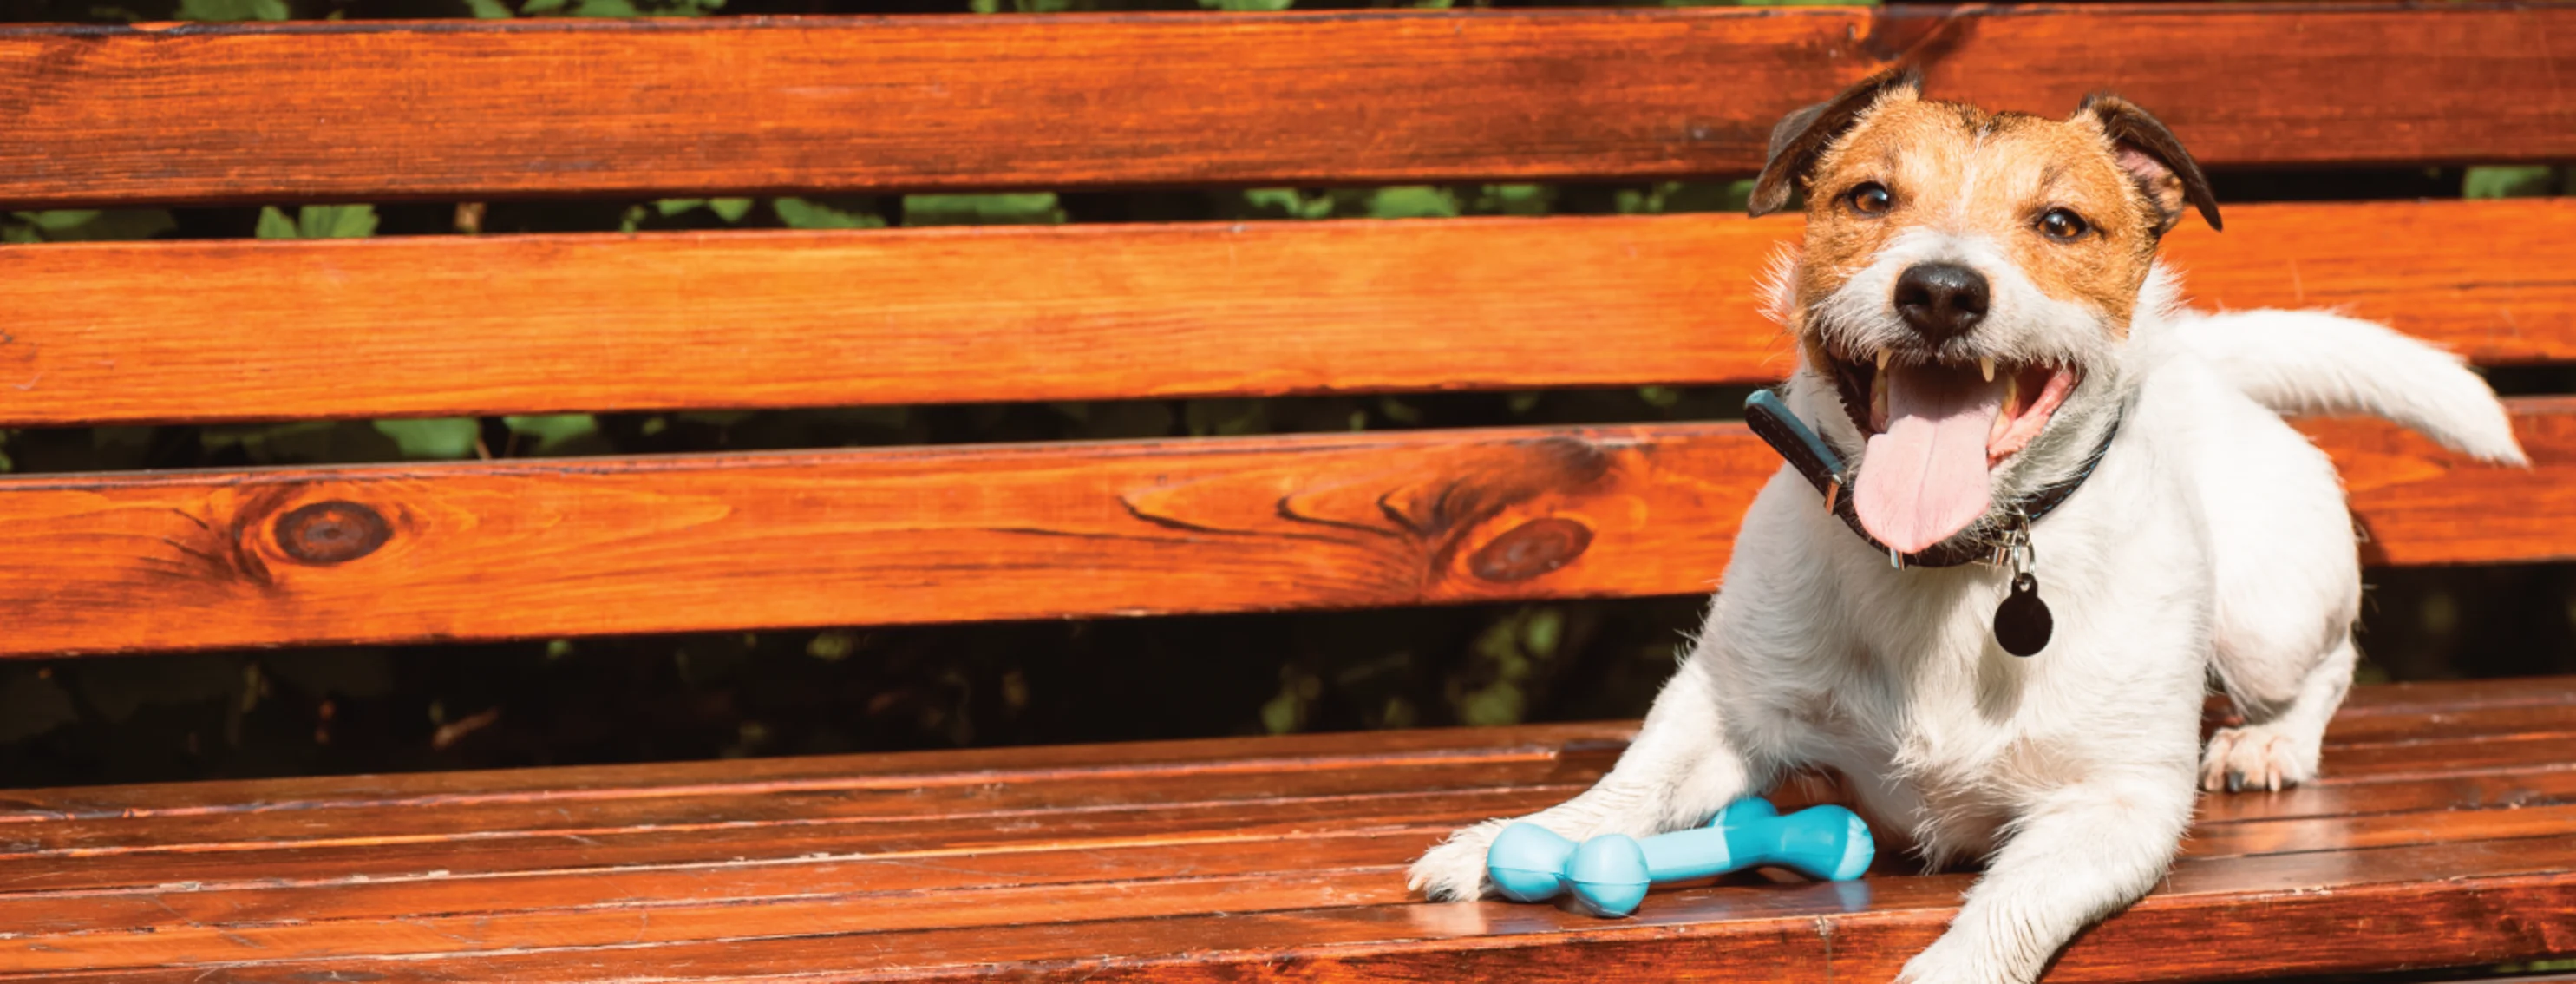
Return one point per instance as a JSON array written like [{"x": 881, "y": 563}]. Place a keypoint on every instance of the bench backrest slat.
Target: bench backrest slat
[
  {"x": 449, "y": 326},
  {"x": 391, "y": 554},
  {"x": 372, "y": 111}
]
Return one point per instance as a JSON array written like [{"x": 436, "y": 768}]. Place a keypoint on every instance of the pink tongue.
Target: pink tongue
[{"x": 1925, "y": 479}]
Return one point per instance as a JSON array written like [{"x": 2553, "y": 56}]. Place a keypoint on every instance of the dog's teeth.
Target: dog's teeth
[
  {"x": 1882, "y": 360},
  {"x": 1988, "y": 366}
]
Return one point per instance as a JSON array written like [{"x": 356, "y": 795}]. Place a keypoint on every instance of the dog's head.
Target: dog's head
[{"x": 1964, "y": 275}]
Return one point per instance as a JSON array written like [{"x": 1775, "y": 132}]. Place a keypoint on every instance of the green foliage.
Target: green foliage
[
  {"x": 1246, "y": 4},
  {"x": 233, "y": 10},
  {"x": 1040, "y": 208},
  {"x": 555, "y": 435},
  {"x": 806, "y": 213},
  {"x": 85, "y": 225},
  {"x": 448, "y": 438},
  {"x": 2513, "y": 182},
  {"x": 599, "y": 8},
  {"x": 318, "y": 222}
]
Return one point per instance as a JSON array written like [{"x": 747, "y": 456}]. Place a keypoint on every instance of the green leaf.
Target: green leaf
[
  {"x": 2506, "y": 182},
  {"x": 232, "y": 10},
  {"x": 1024, "y": 209},
  {"x": 534, "y": 8},
  {"x": 674, "y": 206},
  {"x": 605, "y": 8},
  {"x": 488, "y": 9},
  {"x": 552, "y": 433},
  {"x": 91, "y": 225},
  {"x": 729, "y": 209},
  {"x": 335, "y": 221},
  {"x": 799, "y": 213},
  {"x": 447, "y": 438},
  {"x": 1541, "y": 633},
  {"x": 1413, "y": 202},
  {"x": 274, "y": 224},
  {"x": 1515, "y": 199},
  {"x": 60, "y": 221},
  {"x": 1245, "y": 4}
]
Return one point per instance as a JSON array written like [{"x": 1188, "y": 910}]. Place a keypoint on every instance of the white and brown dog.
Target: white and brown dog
[{"x": 1982, "y": 324}]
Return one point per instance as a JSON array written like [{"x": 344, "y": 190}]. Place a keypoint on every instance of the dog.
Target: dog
[{"x": 1981, "y": 324}]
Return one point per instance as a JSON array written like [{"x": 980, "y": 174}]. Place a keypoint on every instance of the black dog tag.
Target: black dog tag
[{"x": 2022, "y": 622}]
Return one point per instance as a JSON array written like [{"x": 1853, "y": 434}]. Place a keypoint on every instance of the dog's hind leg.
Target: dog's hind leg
[
  {"x": 1677, "y": 773},
  {"x": 2280, "y": 742}
]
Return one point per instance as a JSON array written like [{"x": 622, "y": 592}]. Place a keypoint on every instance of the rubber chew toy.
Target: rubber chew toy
[{"x": 1609, "y": 874}]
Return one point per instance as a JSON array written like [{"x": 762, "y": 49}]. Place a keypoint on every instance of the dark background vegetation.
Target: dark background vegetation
[{"x": 868, "y": 689}]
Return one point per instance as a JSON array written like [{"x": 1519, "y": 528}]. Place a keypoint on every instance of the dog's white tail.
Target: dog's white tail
[{"x": 2314, "y": 362}]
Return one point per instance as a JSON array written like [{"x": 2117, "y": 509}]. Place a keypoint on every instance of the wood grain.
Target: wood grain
[
  {"x": 507, "y": 880},
  {"x": 2297, "y": 912},
  {"x": 510, "y": 550},
  {"x": 538, "y": 324},
  {"x": 252, "y": 113}
]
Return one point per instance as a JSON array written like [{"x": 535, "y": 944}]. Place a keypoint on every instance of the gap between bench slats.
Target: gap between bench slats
[
  {"x": 159, "y": 561},
  {"x": 252, "y": 113},
  {"x": 2427, "y": 710},
  {"x": 101, "y": 334}
]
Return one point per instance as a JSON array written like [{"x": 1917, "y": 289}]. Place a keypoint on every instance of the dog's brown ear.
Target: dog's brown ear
[
  {"x": 2153, "y": 158},
  {"x": 1802, "y": 135}
]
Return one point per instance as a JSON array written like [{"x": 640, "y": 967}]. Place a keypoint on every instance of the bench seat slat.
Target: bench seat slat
[
  {"x": 1184, "y": 812},
  {"x": 542, "y": 324},
  {"x": 2449, "y": 855},
  {"x": 1043, "y": 812},
  {"x": 251, "y": 113},
  {"x": 580, "y": 546}
]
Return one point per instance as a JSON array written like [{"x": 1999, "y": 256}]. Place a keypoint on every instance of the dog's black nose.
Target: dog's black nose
[{"x": 1941, "y": 300}]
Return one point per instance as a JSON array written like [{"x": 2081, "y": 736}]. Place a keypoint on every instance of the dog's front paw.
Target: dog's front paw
[
  {"x": 1950, "y": 960},
  {"x": 2254, "y": 757},
  {"x": 1454, "y": 871}
]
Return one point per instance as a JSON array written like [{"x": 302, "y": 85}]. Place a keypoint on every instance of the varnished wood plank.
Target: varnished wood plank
[
  {"x": 412, "y": 326},
  {"x": 820, "y": 538},
  {"x": 1292, "y": 762},
  {"x": 888, "y": 821},
  {"x": 2417, "y": 505},
  {"x": 396, "y": 553},
  {"x": 260, "y": 112},
  {"x": 385, "y": 327},
  {"x": 322, "y": 840},
  {"x": 2302, "y": 912},
  {"x": 456, "y": 915}
]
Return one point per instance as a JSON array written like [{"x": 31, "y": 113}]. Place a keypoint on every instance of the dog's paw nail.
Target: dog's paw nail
[{"x": 2235, "y": 781}]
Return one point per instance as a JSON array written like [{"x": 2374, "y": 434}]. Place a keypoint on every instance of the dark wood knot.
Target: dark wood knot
[
  {"x": 334, "y": 532},
  {"x": 1531, "y": 549}
]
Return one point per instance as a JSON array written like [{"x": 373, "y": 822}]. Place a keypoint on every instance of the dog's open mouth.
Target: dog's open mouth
[{"x": 1935, "y": 432}]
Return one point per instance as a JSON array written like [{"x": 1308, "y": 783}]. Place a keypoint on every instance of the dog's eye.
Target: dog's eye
[
  {"x": 2062, "y": 225},
  {"x": 1871, "y": 198}
]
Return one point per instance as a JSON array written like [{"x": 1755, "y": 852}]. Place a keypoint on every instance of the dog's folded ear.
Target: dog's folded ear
[
  {"x": 2153, "y": 158},
  {"x": 1804, "y": 134}
]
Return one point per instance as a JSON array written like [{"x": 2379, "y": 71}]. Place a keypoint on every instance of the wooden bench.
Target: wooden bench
[{"x": 2443, "y": 836}]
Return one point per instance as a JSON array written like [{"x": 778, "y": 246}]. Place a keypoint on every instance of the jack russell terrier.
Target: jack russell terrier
[{"x": 1984, "y": 332}]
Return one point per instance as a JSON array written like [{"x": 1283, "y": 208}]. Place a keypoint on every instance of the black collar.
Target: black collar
[{"x": 1770, "y": 418}]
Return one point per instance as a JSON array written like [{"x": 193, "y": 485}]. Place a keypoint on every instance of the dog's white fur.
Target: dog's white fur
[{"x": 2213, "y": 540}]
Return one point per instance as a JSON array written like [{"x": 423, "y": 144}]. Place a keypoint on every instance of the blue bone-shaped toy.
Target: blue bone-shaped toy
[{"x": 1609, "y": 874}]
